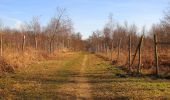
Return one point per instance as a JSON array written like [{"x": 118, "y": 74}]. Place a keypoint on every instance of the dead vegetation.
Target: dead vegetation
[
  {"x": 5, "y": 67},
  {"x": 66, "y": 77},
  {"x": 114, "y": 40},
  {"x": 12, "y": 61},
  {"x": 34, "y": 42}
]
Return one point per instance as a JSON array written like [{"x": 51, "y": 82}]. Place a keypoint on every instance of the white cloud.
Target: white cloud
[
  {"x": 18, "y": 25},
  {"x": 12, "y": 22}
]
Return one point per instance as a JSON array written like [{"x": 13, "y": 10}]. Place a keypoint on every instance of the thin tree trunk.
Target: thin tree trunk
[
  {"x": 63, "y": 42},
  {"x": 1, "y": 44},
  {"x": 51, "y": 46},
  {"x": 36, "y": 42},
  {"x": 68, "y": 43},
  {"x": 130, "y": 53}
]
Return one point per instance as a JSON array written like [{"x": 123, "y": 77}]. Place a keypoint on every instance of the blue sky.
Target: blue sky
[{"x": 87, "y": 15}]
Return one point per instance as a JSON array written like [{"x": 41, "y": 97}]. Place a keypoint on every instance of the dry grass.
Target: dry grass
[
  {"x": 47, "y": 79},
  {"x": 109, "y": 82},
  {"x": 5, "y": 67},
  {"x": 61, "y": 79},
  {"x": 17, "y": 60},
  {"x": 21, "y": 59},
  {"x": 147, "y": 60}
]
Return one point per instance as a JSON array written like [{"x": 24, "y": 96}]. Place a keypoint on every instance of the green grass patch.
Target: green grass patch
[
  {"x": 106, "y": 85},
  {"x": 42, "y": 80}
]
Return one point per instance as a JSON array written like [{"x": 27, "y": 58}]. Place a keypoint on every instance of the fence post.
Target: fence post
[
  {"x": 139, "y": 62},
  {"x": 23, "y": 43},
  {"x": 130, "y": 53},
  {"x": 119, "y": 44},
  {"x": 1, "y": 44},
  {"x": 111, "y": 51},
  {"x": 156, "y": 54}
]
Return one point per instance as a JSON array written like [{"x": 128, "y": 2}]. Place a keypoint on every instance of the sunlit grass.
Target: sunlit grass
[
  {"x": 56, "y": 79},
  {"x": 41, "y": 80},
  {"x": 106, "y": 84}
]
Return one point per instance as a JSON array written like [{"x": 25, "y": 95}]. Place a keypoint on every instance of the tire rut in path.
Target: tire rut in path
[{"x": 83, "y": 90}]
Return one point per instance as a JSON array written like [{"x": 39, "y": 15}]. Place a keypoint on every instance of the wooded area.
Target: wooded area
[
  {"x": 122, "y": 43},
  {"x": 45, "y": 57},
  {"x": 56, "y": 35},
  {"x": 118, "y": 43}
]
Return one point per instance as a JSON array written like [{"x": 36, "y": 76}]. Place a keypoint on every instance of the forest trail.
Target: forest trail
[
  {"x": 83, "y": 87},
  {"x": 79, "y": 76}
]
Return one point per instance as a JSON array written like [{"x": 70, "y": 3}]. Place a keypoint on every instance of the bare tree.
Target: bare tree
[
  {"x": 24, "y": 29},
  {"x": 36, "y": 29},
  {"x": 55, "y": 26}
]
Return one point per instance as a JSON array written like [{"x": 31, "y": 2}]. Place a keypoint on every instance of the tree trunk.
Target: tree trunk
[
  {"x": 36, "y": 42},
  {"x": 1, "y": 44},
  {"x": 130, "y": 53},
  {"x": 51, "y": 46}
]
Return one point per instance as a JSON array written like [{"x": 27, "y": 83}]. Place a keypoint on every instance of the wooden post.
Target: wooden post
[
  {"x": 112, "y": 52},
  {"x": 110, "y": 55},
  {"x": 156, "y": 54},
  {"x": 139, "y": 60},
  {"x": 119, "y": 44},
  {"x": 1, "y": 45},
  {"x": 105, "y": 49},
  {"x": 137, "y": 49},
  {"x": 50, "y": 46},
  {"x": 130, "y": 53},
  {"x": 23, "y": 44},
  {"x": 36, "y": 42}
]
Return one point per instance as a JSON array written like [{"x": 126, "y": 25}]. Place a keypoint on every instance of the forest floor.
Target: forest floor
[{"x": 79, "y": 76}]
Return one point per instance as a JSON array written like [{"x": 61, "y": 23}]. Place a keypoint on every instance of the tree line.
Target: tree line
[
  {"x": 57, "y": 34},
  {"x": 119, "y": 42},
  {"x": 115, "y": 37}
]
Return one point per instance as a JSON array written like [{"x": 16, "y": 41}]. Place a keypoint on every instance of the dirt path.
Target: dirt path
[
  {"x": 79, "y": 76},
  {"x": 83, "y": 90}
]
